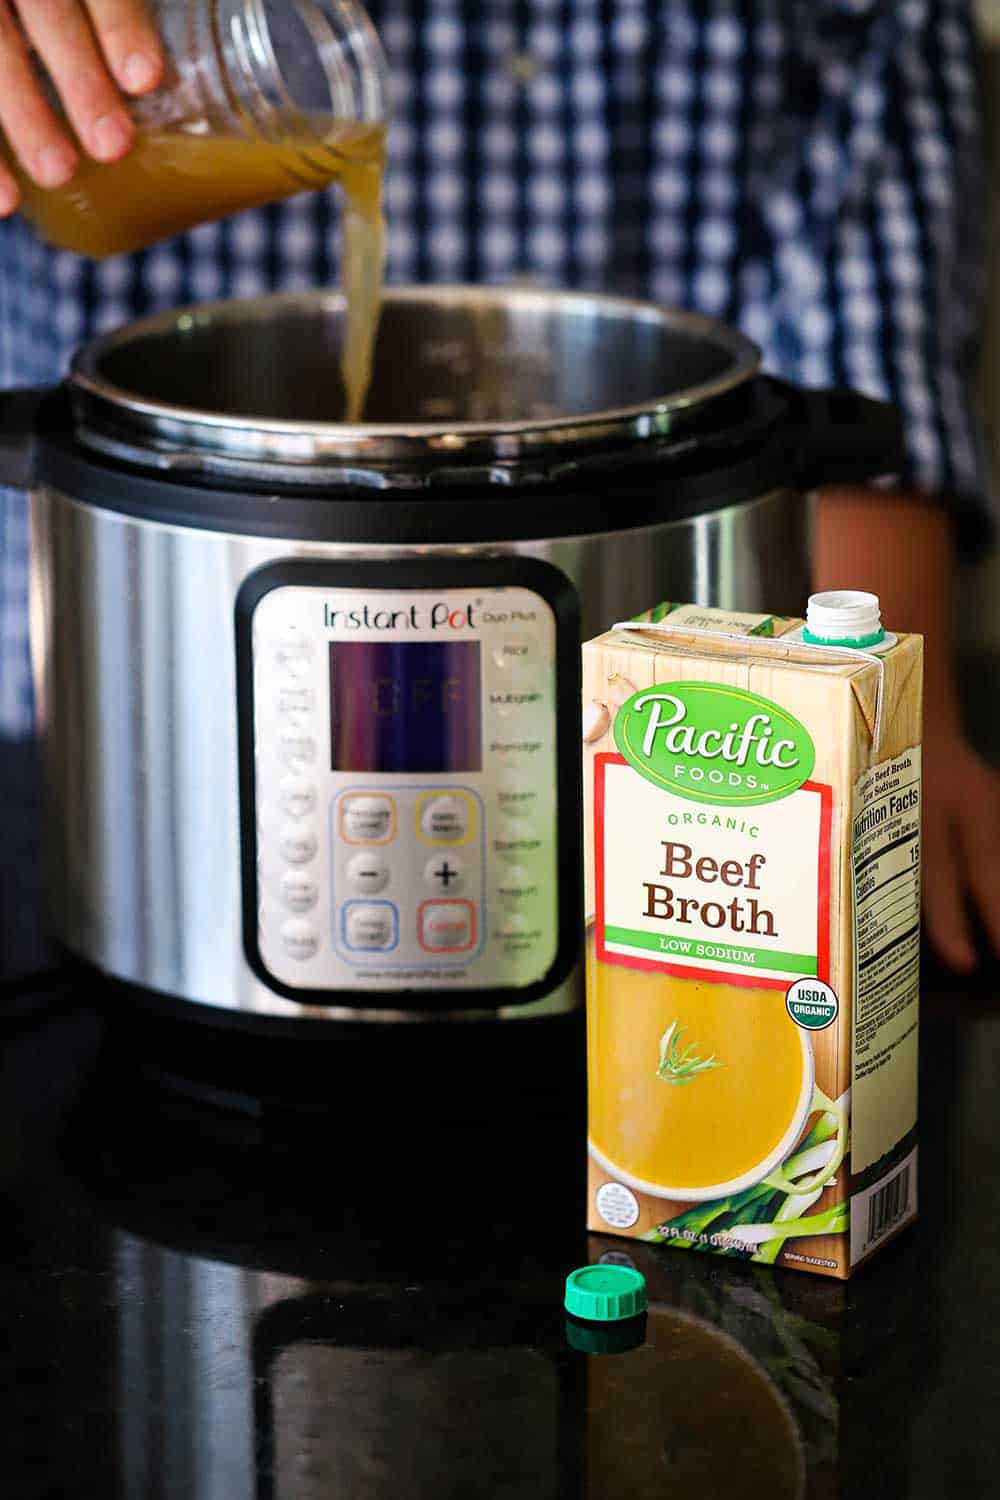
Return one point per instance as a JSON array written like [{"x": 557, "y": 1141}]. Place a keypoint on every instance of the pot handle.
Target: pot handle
[
  {"x": 848, "y": 438},
  {"x": 18, "y": 411}
]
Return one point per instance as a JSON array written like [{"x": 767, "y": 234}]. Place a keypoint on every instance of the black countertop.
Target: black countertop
[{"x": 206, "y": 1294}]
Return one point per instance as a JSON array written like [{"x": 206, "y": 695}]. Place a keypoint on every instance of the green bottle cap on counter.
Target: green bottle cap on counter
[{"x": 605, "y": 1294}]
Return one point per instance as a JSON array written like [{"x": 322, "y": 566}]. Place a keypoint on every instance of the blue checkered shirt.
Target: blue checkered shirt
[{"x": 806, "y": 169}]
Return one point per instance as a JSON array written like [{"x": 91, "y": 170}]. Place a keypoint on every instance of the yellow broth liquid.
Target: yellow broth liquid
[
  {"x": 722, "y": 1123},
  {"x": 172, "y": 180}
]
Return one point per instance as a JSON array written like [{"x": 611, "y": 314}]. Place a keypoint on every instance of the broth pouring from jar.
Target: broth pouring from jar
[{"x": 263, "y": 99}]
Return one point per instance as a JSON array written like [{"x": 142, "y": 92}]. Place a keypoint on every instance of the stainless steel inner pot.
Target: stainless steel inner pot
[
  {"x": 459, "y": 372},
  {"x": 622, "y": 452}
]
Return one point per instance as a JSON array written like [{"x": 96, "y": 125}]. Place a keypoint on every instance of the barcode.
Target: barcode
[
  {"x": 881, "y": 1208},
  {"x": 888, "y": 1205}
]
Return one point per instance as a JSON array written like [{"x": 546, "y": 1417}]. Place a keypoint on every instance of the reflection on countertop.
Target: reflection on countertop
[{"x": 201, "y": 1302}]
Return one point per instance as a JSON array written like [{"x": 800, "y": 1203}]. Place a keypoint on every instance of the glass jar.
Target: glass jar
[{"x": 261, "y": 99}]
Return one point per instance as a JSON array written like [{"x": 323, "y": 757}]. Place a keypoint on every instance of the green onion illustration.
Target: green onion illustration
[{"x": 679, "y": 1065}]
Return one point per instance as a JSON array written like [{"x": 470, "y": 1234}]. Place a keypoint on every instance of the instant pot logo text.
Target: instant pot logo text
[
  {"x": 713, "y": 743},
  {"x": 437, "y": 616}
]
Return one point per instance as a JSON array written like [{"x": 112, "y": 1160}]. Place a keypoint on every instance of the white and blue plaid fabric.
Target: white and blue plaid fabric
[{"x": 806, "y": 169}]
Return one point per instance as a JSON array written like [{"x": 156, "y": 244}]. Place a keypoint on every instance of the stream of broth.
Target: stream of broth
[
  {"x": 174, "y": 179},
  {"x": 723, "y": 1123}
]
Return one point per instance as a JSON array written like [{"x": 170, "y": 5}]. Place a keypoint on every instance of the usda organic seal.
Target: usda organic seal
[{"x": 812, "y": 1004}]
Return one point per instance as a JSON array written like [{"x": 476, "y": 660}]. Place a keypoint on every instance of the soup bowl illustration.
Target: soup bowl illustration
[
  {"x": 699, "y": 1091},
  {"x": 810, "y": 1101}
]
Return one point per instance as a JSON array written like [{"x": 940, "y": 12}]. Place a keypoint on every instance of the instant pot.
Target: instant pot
[{"x": 308, "y": 693}]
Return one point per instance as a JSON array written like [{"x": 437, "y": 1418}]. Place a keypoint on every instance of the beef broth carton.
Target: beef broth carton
[{"x": 752, "y": 835}]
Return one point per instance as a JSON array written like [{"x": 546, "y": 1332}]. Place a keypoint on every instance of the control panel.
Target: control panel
[{"x": 404, "y": 798}]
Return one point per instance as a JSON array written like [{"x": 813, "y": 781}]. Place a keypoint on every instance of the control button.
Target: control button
[
  {"x": 298, "y": 845},
  {"x": 298, "y": 796},
  {"x": 299, "y": 891},
  {"x": 447, "y": 926},
  {"x": 515, "y": 651},
  {"x": 368, "y": 872},
  {"x": 370, "y": 925},
  {"x": 515, "y": 888},
  {"x": 445, "y": 820},
  {"x": 366, "y": 819},
  {"x": 516, "y": 778},
  {"x": 445, "y": 873},
  {"x": 298, "y": 751},
  {"x": 515, "y": 701},
  {"x": 298, "y": 667},
  {"x": 517, "y": 932},
  {"x": 296, "y": 702},
  {"x": 516, "y": 751},
  {"x": 517, "y": 848},
  {"x": 518, "y": 828},
  {"x": 299, "y": 939},
  {"x": 515, "y": 801},
  {"x": 294, "y": 655}
]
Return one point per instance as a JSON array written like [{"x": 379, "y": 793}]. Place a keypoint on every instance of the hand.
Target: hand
[
  {"x": 960, "y": 855},
  {"x": 901, "y": 548},
  {"x": 91, "y": 49}
]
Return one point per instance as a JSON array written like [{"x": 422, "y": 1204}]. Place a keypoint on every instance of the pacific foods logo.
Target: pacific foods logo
[{"x": 712, "y": 743}]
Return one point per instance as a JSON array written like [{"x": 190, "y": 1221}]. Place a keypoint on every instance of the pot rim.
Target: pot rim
[{"x": 105, "y": 409}]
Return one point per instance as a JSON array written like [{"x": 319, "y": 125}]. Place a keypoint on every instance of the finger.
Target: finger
[
  {"x": 61, "y": 35},
  {"x": 944, "y": 912},
  {"x": 9, "y": 194},
  {"x": 129, "y": 43},
  {"x": 29, "y": 125},
  {"x": 982, "y": 865}
]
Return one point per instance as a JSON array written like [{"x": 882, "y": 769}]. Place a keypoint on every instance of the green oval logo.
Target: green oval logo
[{"x": 712, "y": 743}]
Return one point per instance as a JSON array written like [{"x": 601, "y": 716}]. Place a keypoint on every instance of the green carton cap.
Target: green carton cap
[{"x": 605, "y": 1294}]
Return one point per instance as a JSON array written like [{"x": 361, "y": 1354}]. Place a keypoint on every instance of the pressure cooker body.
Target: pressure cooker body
[{"x": 308, "y": 694}]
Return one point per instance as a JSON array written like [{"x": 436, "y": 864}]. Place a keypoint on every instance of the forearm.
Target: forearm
[{"x": 900, "y": 549}]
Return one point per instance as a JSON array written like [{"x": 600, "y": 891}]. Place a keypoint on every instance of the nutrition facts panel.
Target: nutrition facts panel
[
  {"x": 886, "y": 881},
  {"x": 405, "y": 787}
]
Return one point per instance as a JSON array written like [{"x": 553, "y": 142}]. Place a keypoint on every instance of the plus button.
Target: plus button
[{"x": 444, "y": 873}]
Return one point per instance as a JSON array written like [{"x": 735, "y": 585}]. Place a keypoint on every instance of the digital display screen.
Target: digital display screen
[{"x": 412, "y": 706}]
